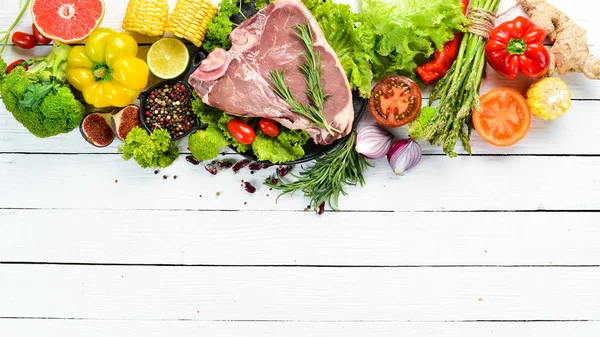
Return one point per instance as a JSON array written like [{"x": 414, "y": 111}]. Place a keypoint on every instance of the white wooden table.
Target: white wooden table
[{"x": 502, "y": 243}]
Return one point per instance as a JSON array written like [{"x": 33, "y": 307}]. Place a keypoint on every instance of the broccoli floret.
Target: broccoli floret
[
  {"x": 3, "y": 67},
  {"x": 416, "y": 129},
  {"x": 205, "y": 144},
  {"x": 39, "y": 99}
]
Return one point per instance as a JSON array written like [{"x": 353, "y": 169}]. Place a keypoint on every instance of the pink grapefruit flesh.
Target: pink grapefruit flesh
[{"x": 67, "y": 21}]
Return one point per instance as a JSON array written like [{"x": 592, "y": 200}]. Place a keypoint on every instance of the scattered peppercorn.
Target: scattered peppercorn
[
  {"x": 218, "y": 194},
  {"x": 169, "y": 107},
  {"x": 165, "y": 177},
  {"x": 156, "y": 172},
  {"x": 174, "y": 177}
]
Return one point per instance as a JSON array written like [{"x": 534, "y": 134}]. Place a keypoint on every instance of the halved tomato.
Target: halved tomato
[
  {"x": 504, "y": 118},
  {"x": 395, "y": 101}
]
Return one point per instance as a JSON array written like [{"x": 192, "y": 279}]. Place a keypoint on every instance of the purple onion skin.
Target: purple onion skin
[
  {"x": 378, "y": 131},
  {"x": 404, "y": 155}
]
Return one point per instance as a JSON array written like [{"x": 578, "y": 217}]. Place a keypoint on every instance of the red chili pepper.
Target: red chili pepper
[
  {"x": 518, "y": 46},
  {"x": 443, "y": 59}
]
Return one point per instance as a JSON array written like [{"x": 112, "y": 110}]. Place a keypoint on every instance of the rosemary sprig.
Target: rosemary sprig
[
  {"x": 312, "y": 69},
  {"x": 325, "y": 181}
]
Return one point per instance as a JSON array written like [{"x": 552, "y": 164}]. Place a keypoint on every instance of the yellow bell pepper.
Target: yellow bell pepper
[{"x": 106, "y": 70}]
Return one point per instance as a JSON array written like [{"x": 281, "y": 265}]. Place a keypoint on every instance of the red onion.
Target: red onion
[
  {"x": 373, "y": 141},
  {"x": 404, "y": 155}
]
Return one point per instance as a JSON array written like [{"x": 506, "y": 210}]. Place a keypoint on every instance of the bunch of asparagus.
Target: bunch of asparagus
[{"x": 457, "y": 93}]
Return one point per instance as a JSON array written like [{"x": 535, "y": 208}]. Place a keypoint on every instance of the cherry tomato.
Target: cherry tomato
[
  {"x": 41, "y": 39},
  {"x": 395, "y": 101},
  {"x": 504, "y": 118},
  {"x": 241, "y": 131},
  {"x": 13, "y": 65},
  {"x": 24, "y": 40},
  {"x": 269, "y": 127}
]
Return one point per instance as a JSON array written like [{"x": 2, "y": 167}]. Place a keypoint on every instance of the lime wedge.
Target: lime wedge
[{"x": 168, "y": 58}]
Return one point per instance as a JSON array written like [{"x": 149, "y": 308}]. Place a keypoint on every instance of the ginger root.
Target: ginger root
[{"x": 570, "y": 52}]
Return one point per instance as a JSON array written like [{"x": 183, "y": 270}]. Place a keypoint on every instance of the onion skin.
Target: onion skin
[
  {"x": 404, "y": 155},
  {"x": 373, "y": 141}
]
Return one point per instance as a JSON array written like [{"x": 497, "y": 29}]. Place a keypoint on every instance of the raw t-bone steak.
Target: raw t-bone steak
[{"x": 237, "y": 81}]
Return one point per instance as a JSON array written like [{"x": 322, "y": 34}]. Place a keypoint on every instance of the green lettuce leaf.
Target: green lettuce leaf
[
  {"x": 337, "y": 22},
  {"x": 405, "y": 33},
  {"x": 287, "y": 146}
]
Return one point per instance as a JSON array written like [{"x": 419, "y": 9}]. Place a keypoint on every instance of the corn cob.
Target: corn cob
[
  {"x": 148, "y": 17},
  {"x": 190, "y": 19}
]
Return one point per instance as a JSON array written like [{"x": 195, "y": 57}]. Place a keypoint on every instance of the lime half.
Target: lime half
[{"x": 168, "y": 58}]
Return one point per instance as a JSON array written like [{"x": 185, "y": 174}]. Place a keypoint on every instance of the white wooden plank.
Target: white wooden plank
[
  {"x": 299, "y": 294},
  {"x": 277, "y": 238},
  {"x": 438, "y": 184},
  {"x": 68, "y": 328}
]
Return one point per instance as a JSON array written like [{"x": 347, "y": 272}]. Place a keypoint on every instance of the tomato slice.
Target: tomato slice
[
  {"x": 504, "y": 118},
  {"x": 395, "y": 101}
]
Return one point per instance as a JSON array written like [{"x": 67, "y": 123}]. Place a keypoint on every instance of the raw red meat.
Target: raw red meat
[{"x": 237, "y": 81}]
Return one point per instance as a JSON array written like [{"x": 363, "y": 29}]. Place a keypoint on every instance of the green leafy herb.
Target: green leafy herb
[
  {"x": 217, "y": 35},
  {"x": 155, "y": 150},
  {"x": 326, "y": 180},
  {"x": 353, "y": 49},
  {"x": 206, "y": 144},
  {"x": 286, "y": 147},
  {"x": 3, "y": 67},
  {"x": 312, "y": 69},
  {"x": 405, "y": 33}
]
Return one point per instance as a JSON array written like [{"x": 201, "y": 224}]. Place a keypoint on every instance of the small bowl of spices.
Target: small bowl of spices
[{"x": 168, "y": 106}]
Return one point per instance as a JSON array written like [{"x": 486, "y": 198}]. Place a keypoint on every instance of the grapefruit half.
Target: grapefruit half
[{"x": 67, "y": 21}]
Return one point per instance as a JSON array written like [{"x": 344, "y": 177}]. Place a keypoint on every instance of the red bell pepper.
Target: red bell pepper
[
  {"x": 517, "y": 46},
  {"x": 442, "y": 60}
]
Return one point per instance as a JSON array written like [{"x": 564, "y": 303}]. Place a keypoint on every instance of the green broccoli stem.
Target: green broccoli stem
[{"x": 6, "y": 36}]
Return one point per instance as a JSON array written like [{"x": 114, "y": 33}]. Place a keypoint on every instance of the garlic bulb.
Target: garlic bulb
[{"x": 373, "y": 141}]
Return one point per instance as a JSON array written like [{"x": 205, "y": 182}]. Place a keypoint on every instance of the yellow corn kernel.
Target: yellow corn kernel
[
  {"x": 549, "y": 98},
  {"x": 148, "y": 17},
  {"x": 190, "y": 19}
]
